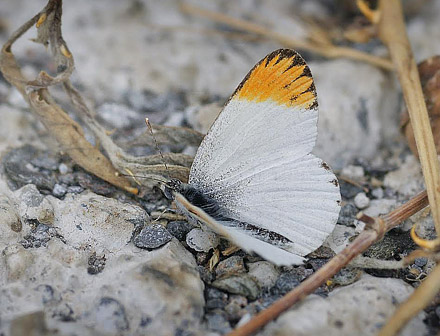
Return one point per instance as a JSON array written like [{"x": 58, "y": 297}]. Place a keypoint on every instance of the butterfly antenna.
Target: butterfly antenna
[{"x": 155, "y": 142}]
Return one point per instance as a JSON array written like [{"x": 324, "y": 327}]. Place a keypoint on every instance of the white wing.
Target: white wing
[
  {"x": 245, "y": 241},
  {"x": 256, "y": 162}
]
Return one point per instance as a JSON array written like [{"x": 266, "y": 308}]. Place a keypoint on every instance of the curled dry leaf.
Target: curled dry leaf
[{"x": 429, "y": 71}]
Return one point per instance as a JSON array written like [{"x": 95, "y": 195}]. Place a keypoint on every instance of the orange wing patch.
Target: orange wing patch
[{"x": 282, "y": 76}]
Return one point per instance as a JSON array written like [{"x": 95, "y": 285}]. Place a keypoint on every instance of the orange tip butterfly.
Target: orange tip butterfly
[{"x": 254, "y": 180}]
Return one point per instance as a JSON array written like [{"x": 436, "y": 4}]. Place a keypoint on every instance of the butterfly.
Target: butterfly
[{"x": 254, "y": 180}]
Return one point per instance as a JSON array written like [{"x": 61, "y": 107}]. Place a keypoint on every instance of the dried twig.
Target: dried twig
[
  {"x": 67, "y": 132},
  {"x": 391, "y": 30},
  {"x": 375, "y": 229},
  {"x": 326, "y": 50}
]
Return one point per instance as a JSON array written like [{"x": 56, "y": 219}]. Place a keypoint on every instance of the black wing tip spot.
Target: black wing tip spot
[
  {"x": 325, "y": 165},
  {"x": 335, "y": 182}
]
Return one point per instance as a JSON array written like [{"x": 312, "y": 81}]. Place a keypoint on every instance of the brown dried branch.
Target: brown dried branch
[
  {"x": 67, "y": 132},
  {"x": 169, "y": 135},
  {"x": 391, "y": 30},
  {"x": 375, "y": 229},
  {"x": 325, "y": 49}
]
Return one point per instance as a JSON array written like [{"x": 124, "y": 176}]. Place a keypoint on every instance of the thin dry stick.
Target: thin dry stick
[
  {"x": 418, "y": 300},
  {"x": 326, "y": 50},
  {"x": 392, "y": 32},
  {"x": 376, "y": 228}
]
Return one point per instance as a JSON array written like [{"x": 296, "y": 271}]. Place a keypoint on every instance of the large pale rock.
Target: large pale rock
[
  {"x": 358, "y": 309},
  {"x": 358, "y": 105}
]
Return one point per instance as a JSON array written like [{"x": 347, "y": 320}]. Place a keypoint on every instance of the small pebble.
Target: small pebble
[
  {"x": 202, "y": 240},
  {"x": 75, "y": 189},
  {"x": 179, "y": 229},
  {"x": 347, "y": 215},
  {"x": 152, "y": 236},
  {"x": 378, "y": 193},
  {"x": 242, "y": 284},
  {"x": 348, "y": 190},
  {"x": 63, "y": 168},
  {"x": 361, "y": 201},
  {"x": 215, "y": 298},
  {"x": 353, "y": 172},
  {"x": 235, "y": 307},
  {"x": 265, "y": 273},
  {"x": 59, "y": 190},
  {"x": 96, "y": 263},
  {"x": 217, "y": 322},
  {"x": 230, "y": 266},
  {"x": 420, "y": 262}
]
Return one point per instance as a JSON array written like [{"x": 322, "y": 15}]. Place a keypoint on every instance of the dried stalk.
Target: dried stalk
[
  {"x": 392, "y": 31},
  {"x": 323, "y": 49},
  {"x": 67, "y": 132},
  {"x": 375, "y": 229}
]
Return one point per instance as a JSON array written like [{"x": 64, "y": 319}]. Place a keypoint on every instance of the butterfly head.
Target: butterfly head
[{"x": 168, "y": 188}]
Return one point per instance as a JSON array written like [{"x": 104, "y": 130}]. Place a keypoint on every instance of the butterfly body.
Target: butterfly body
[{"x": 254, "y": 180}]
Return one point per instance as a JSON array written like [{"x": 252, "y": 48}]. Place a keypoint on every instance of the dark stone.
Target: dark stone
[
  {"x": 75, "y": 189},
  {"x": 215, "y": 299},
  {"x": 392, "y": 246},
  {"x": 152, "y": 237},
  {"x": 347, "y": 215},
  {"x": 230, "y": 266},
  {"x": 206, "y": 276},
  {"x": 20, "y": 174},
  {"x": 95, "y": 184},
  {"x": 96, "y": 264},
  {"x": 218, "y": 322},
  {"x": 59, "y": 190},
  {"x": 421, "y": 261},
  {"x": 348, "y": 190},
  {"x": 40, "y": 236},
  {"x": 179, "y": 229},
  {"x": 289, "y": 280}
]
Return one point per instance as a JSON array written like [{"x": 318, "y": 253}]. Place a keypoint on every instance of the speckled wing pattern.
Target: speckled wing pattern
[{"x": 256, "y": 162}]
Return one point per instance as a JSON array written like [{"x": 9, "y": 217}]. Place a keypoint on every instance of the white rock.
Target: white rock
[
  {"x": 264, "y": 272},
  {"x": 358, "y": 309},
  {"x": 33, "y": 205},
  {"x": 339, "y": 238},
  {"x": 380, "y": 207},
  {"x": 90, "y": 221},
  {"x": 202, "y": 240},
  {"x": 407, "y": 179},
  {"x": 351, "y": 123},
  {"x": 117, "y": 115},
  {"x": 361, "y": 200},
  {"x": 137, "y": 293},
  {"x": 353, "y": 172},
  {"x": 8, "y": 214}
]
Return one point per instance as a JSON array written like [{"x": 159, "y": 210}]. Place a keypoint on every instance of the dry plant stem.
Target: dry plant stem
[
  {"x": 67, "y": 132},
  {"x": 326, "y": 50},
  {"x": 375, "y": 229},
  {"x": 392, "y": 32},
  {"x": 418, "y": 300}
]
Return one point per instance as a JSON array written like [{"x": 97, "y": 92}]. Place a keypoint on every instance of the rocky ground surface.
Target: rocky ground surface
[{"x": 80, "y": 257}]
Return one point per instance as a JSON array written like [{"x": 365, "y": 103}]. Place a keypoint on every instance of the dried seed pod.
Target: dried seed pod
[{"x": 429, "y": 71}]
